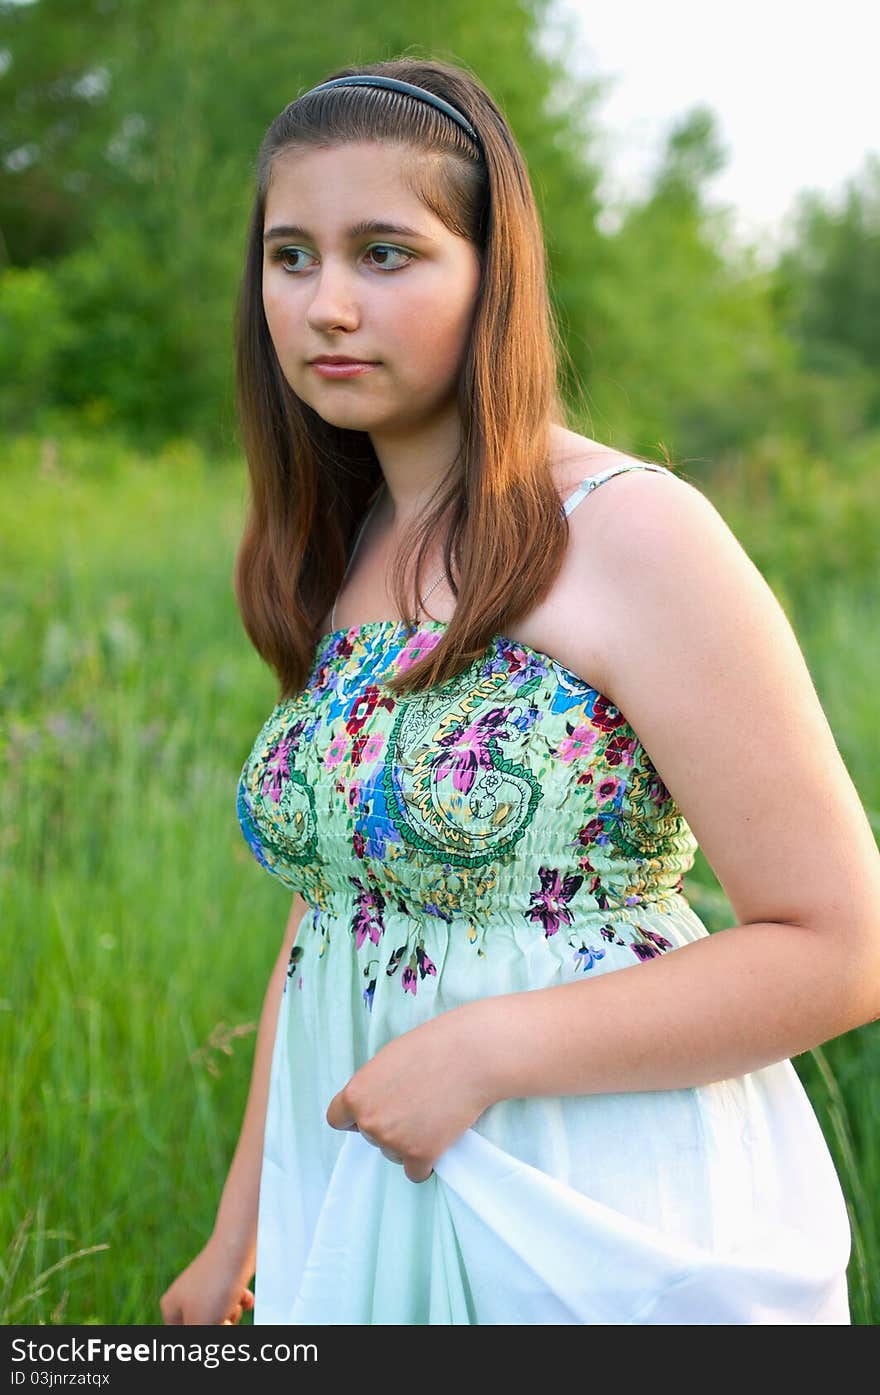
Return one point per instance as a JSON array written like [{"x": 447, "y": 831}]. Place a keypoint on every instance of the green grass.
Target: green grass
[{"x": 139, "y": 932}]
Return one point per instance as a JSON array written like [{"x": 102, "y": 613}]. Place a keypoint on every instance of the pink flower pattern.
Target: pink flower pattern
[{"x": 613, "y": 792}]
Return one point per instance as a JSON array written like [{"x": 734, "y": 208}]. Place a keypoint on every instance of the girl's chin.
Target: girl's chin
[{"x": 350, "y": 420}]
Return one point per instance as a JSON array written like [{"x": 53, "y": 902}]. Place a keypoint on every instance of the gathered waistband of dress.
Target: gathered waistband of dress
[{"x": 367, "y": 902}]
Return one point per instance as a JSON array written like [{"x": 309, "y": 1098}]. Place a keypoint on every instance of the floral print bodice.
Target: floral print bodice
[{"x": 515, "y": 796}]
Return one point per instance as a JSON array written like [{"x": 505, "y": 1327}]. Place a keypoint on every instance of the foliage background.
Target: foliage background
[{"x": 138, "y": 930}]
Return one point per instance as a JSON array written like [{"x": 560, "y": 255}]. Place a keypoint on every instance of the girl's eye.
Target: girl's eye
[
  {"x": 382, "y": 248},
  {"x": 395, "y": 252}
]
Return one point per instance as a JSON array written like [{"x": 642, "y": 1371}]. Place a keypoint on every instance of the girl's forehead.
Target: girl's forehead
[{"x": 347, "y": 186}]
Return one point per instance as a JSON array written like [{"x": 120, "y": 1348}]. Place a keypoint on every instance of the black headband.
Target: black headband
[{"x": 395, "y": 85}]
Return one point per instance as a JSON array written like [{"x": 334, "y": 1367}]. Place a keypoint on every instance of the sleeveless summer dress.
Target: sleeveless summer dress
[{"x": 504, "y": 832}]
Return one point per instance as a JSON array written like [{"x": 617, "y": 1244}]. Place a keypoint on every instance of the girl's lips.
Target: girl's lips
[{"x": 342, "y": 370}]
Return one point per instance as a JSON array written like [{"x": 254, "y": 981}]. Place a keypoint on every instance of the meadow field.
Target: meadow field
[{"x": 138, "y": 930}]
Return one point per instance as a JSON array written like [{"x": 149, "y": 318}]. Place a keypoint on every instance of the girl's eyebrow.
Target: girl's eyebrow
[{"x": 359, "y": 230}]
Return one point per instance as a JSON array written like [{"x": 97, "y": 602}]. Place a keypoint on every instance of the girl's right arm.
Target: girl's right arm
[{"x": 213, "y": 1289}]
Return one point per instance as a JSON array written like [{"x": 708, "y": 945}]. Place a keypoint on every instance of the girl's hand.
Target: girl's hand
[
  {"x": 418, "y": 1093},
  {"x": 211, "y": 1291}
]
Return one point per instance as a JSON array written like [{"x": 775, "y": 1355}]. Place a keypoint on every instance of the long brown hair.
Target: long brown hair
[{"x": 310, "y": 482}]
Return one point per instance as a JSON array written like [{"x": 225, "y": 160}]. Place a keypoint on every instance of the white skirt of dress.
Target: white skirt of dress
[{"x": 718, "y": 1204}]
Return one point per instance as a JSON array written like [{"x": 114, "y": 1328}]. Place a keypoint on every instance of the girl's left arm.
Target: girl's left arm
[{"x": 708, "y": 672}]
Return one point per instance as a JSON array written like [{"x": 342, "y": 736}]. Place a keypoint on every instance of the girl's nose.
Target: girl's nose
[{"x": 332, "y": 303}]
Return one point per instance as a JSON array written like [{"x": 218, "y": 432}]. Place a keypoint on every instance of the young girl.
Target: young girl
[{"x": 461, "y": 1111}]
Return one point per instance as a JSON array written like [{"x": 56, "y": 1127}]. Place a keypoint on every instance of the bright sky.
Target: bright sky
[{"x": 793, "y": 83}]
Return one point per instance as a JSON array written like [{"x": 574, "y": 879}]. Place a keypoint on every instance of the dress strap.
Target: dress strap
[
  {"x": 587, "y": 486},
  {"x": 584, "y": 488}
]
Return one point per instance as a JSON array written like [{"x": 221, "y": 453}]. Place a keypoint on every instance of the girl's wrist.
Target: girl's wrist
[
  {"x": 482, "y": 1047},
  {"x": 240, "y": 1248}
]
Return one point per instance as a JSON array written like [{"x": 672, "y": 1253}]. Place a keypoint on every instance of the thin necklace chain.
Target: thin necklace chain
[{"x": 364, "y": 523}]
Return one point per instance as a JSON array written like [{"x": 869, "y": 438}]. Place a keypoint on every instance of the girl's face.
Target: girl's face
[{"x": 400, "y": 295}]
